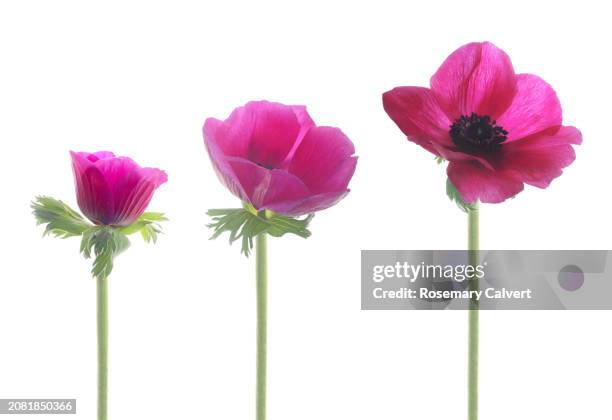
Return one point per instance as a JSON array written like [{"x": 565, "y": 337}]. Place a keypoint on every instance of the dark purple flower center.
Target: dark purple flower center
[{"x": 477, "y": 134}]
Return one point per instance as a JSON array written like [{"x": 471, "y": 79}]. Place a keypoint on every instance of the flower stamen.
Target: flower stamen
[{"x": 476, "y": 133}]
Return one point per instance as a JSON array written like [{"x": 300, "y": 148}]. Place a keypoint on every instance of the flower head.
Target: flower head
[
  {"x": 113, "y": 190},
  {"x": 274, "y": 157},
  {"x": 498, "y": 130}
]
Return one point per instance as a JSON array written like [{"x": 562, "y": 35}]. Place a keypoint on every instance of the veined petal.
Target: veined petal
[
  {"x": 132, "y": 200},
  {"x": 94, "y": 195},
  {"x": 475, "y": 182},
  {"x": 534, "y": 108},
  {"x": 113, "y": 190},
  {"x": 264, "y": 187},
  {"x": 131, "y": 187},
  {"x": 306, "y": 123},
  {"x": 288, "y": 160},
  {"x": 417, "y": 113},
  {"x": 309, "y": 204},
  {"x": 477, "y": 77},
  {"x": 222, "y": 168},
  {"x": 324, "y": 160},
  {"x": 456, "y": 155},
  {"x": 275, "y": 131},
  {"x": 233, "y": 135},
  {"x": 540, "y": 158}
]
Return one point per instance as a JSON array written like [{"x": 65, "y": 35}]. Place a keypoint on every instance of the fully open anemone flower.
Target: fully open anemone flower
[
  {"x": 274, "y": 157},
  {"x": 113, "y": 190},
  {"x": 498, "y": 130}
]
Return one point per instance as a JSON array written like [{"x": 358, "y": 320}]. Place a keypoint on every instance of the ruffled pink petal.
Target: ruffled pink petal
[
  {"x": 475, "y": 182},
  {"x": 264, "y": 187},
  {"x": 538, "y": 159},
  {"x": 417, "y": 113},
  {"x": 477, "y": 77},
  {"x": 534, "y": 108},
  {"x": 324, "y": 160}
]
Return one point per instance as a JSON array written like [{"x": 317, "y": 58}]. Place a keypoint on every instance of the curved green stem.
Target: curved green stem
[
  {"x": 102, "y": 327},
  {"x": 473, "y": 247},
  {"x": 261, "y": 253}
]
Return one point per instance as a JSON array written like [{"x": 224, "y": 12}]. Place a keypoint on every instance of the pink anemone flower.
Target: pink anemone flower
[
  {"x": 274, "y": 157},
  {"x": 498, "y": 130},
  {"x": 113, "y": 190}
]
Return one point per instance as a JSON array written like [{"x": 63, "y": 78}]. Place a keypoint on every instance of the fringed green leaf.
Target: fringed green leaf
[
  {"x": 246, "y": 223},
  {"x": 148, "y": 226},
  {"x": 61, "y": 221},
  {"x": 104, "y": 244}
]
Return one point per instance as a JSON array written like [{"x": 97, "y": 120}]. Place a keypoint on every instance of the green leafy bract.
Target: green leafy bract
[
  {"x": 103, "y": 243},
  {"x": 61, "y": 220},
  {"x": 148, "y": 226},
  {"x": 246, "y": 223}
]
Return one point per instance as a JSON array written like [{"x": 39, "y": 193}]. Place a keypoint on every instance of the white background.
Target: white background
[{"x": 139, "y": 79}]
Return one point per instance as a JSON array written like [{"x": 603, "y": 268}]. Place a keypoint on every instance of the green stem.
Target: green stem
[
  {"x": 102, "y": 327},
  {"x": 473, "y": 247},
  {"x": 261, "y": 251}
]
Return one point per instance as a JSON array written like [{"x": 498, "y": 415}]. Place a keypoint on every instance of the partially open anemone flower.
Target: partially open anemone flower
[
  {"x": 113, "y": 193},
  {"x": 274, "y": 157},
  {"x": 498, "y": 130},
  {"x": 281, "y": 165},
  {"x": 113, "y": 190}
]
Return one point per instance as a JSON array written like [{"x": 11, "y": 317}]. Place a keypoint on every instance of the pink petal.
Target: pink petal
[
  {"x": 113, "y": 190},
  {"x": 133, "y": 197},
  {"x": 475, "y": 182},
  {"x": 417, "y": 113},
  {"x": 304, "y": 120},
  {"x": 477, "y": 77},
  {"x": 306, "y": 123},
  {"x": 535, "y": 107},
  {"x": 100, "y": 155},
  {"x": 94, "y": 196},
  {"x": 263, "y": 132},
  {"x": 233, "y": 135},
  {"x": 276, "y": 129},
  {"x": 310, "y": 204},
  {"x": 539, "y": 159},
  {"x": 283, "y": 146},
  {"x": 222, "y": 168},
  {"x": 324, "y": 160},
  {"x": 264, "y": 187},
  {"x": 455, "y": 155}
]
